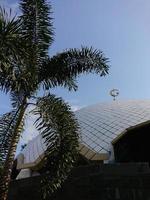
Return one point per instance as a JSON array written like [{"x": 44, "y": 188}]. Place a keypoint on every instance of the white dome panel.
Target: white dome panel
[
  {"x": 99, "y": 124},
  {"x": 103, "y": 122}
]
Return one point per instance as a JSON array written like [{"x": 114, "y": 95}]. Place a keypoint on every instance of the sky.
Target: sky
[{"x": 120, "y": 28}]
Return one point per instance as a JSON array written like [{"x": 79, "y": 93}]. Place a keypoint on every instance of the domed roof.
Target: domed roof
[{"x": 100, "y": 124}]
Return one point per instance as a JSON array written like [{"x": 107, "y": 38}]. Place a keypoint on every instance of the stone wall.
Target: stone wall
[{"x": 106, "y": 182}]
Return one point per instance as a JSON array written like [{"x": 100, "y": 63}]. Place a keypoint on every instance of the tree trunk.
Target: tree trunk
[{"x": 6, "y": 175}]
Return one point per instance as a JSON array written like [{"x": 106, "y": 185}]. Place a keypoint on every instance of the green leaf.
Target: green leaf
[
  {"x": 59, "y": 128},
  {"x": 37, "y": 27},
  {"x": 63, "y": 68},
  {"x": 7, "y": 124},
  {"x": 12, "y": 52}
]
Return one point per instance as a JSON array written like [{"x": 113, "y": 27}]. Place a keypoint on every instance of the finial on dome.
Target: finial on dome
[{"x": 114, "y": 93}]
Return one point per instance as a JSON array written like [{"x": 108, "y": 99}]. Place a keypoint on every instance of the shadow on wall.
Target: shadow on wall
[{"x": 104, "y": 182}]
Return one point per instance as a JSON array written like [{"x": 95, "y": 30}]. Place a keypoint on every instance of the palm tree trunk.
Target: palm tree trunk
[{"x": 6, "y": 176}]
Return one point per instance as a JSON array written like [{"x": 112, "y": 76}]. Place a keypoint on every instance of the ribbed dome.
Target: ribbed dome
[{"x": 100, "y": 124}]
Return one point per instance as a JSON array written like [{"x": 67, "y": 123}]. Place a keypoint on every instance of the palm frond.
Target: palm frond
[
  {"x": 59, "y": 128},
  {"x": 7, "y": 125},
  {"x": 10, "y": 33},
  {"x": 17, "y": 99},
  {"x": 63, "y": 69},
  {"x": 13, "y": 73},
  {"x": 37, "y": 27},
  {"x": 11, "y": 48},
  {"x": 17, "y": 79}
]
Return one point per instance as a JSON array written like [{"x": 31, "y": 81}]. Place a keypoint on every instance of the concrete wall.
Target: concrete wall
[{"x": 106, "y": 182}]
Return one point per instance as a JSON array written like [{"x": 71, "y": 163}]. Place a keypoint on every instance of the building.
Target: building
[{"x": 116, "y": 132}]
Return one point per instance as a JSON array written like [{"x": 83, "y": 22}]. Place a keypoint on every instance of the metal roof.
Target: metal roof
[{"x": 99, "y": 124}]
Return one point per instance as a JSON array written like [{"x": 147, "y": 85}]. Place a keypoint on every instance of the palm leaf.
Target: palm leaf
[
  {"x": 10, "y": 35},
  {"x": 64, "y": 68},
  {"x": 12, "y": 52},
  {"x": 59, "y": 128},
  {"x": 37, "y": 27},
  {"x": 7, "y": 124},
  {"x": 6, "y": 127}
]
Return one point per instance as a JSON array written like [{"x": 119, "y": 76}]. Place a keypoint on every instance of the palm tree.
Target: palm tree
[{"x": 25, "y": 67}]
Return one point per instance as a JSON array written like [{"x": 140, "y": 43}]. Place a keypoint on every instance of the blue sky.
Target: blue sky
[{"x": 121, "y": 29}]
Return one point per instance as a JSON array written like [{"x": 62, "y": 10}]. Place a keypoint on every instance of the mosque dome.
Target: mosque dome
[
  {"x": 103, "y": 124},
  {"x": 105, "y": 129}
]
